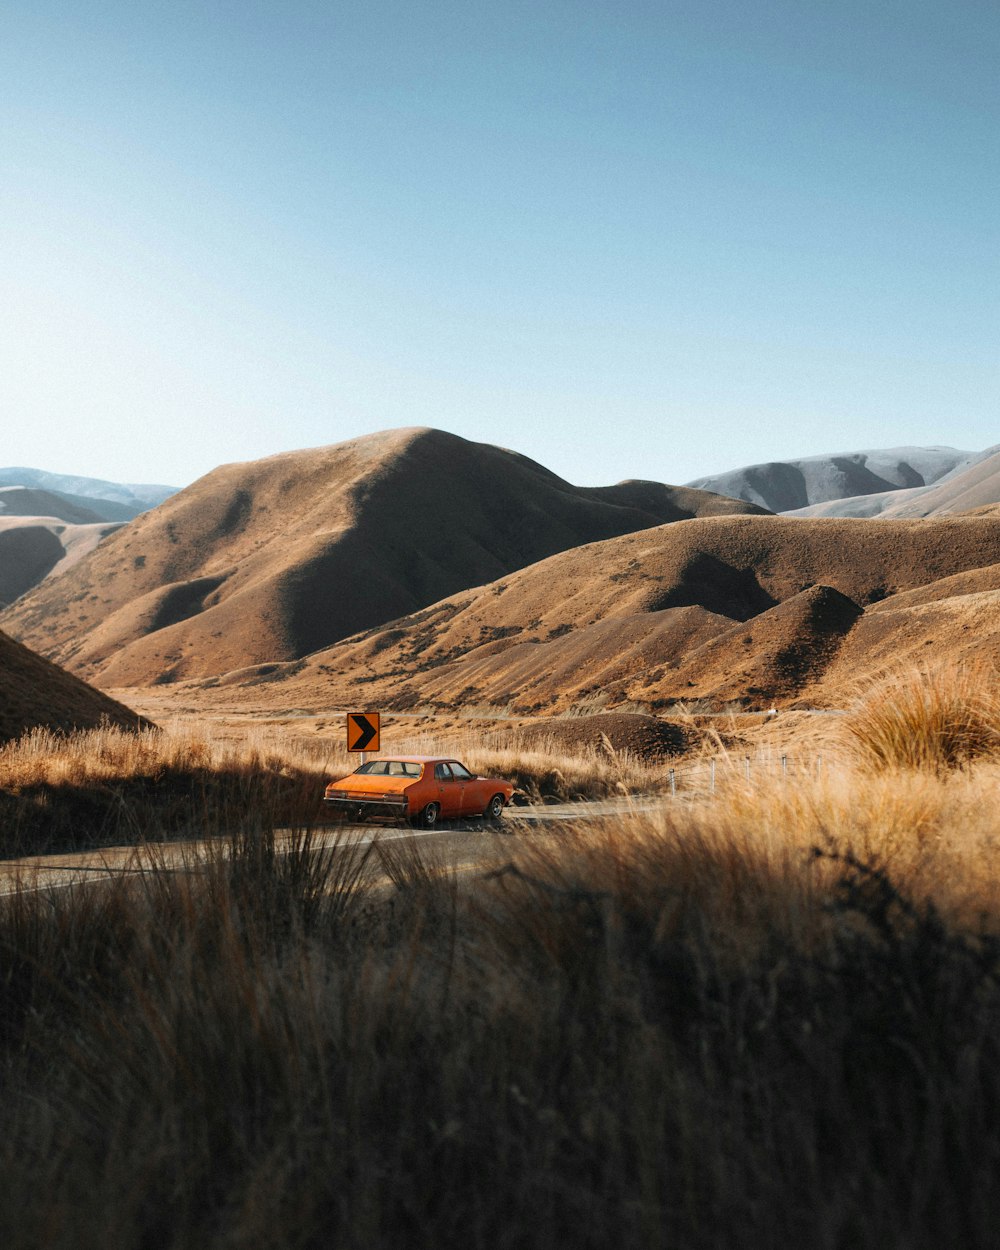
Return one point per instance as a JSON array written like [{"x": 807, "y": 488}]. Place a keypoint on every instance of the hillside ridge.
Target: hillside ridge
[
  {"x": 271, "y": 560},
  {"x": 35, "y": 692},
  {"x": 743, "y": 609}
]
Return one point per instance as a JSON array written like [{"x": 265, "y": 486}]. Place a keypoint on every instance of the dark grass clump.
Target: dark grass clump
[{"x": 175, "y": 804}]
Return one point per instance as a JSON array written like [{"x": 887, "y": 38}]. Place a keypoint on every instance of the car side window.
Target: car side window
[
  {"x": 442, "y": 772},
  {"x": 460, "y": 771}
]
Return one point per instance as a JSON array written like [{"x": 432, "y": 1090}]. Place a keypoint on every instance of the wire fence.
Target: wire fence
[{"x": 714, "y": 775}]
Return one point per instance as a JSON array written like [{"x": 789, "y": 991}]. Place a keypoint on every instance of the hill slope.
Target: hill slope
[
  {"x": 788, "y": 485},
  {"x": 33, "y": 548},
  {"x": 753, "y": 609},
  {"x": 277, "y": 558},
  {"x": 35, "y": 692}
]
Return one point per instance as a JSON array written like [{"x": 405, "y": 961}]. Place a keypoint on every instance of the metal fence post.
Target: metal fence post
[
  {"x": 673, "y": 782},
  {"x": 712, "y": 782},
  {"x": 784, "y": 768},
  {"x": 748, "y": 768}
]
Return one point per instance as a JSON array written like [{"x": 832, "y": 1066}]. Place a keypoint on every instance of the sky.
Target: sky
[{"x": 628, "y": 239}]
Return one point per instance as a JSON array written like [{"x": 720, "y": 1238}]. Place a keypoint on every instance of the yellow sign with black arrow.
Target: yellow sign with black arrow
[{"x": 363, "y": 731}]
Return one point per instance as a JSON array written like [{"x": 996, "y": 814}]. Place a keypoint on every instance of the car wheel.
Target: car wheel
[
  {"x": 429, "y": 816},
  {"x": 494, "y": 808}
]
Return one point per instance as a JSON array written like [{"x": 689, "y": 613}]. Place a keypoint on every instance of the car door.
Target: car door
[
  {"x": 449, "y": 790},
  {"x": 471, "y": 800}
]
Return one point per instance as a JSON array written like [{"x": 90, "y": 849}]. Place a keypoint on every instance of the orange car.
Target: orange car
[{"x": 420, "y": 788}]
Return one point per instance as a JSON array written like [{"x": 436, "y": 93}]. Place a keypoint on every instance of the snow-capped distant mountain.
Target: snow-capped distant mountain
[
  {"x": 787, "y": 485},
  {"x": 112, "y": 501}
]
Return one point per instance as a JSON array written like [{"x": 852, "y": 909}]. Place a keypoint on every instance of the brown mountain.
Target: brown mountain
[
  {"x": 274, "y": 559},
  {"x": 754, "y": 609},
  {"x": 34, "y": 691},
  {"x": 961, "y": 628}
]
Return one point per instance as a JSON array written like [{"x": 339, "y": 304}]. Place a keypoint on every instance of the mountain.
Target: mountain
[
  {"x": 33, "y": 548},
  {"x": 273, "y": 559},
  {"x": 44, "y": 532},
  {"x": 35, "y": 692},
  {"x": 972, "y": 485},
  {"x": 110, "y": 501},
  {"x": 975, "y": 487},
  {"x": 41, "y": 534},
  {"x": 787, "y": 485},
  {"x": 28, "y": 501},
  {"x": 752, "y": 609}
]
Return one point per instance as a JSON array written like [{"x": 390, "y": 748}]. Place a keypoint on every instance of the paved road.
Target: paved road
[
  {"x": 465, "y": 841},
  {"x": 74, "y": 868}
]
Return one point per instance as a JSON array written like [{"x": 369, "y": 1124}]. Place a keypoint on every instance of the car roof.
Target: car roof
[{"x": 418, "y": 759}]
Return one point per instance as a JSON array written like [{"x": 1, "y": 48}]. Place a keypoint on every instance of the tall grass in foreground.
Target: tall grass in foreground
[{"x": 772, "y": 1021}]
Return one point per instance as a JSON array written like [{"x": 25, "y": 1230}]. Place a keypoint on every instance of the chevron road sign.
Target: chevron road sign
[{"x": 362, "y": 731}]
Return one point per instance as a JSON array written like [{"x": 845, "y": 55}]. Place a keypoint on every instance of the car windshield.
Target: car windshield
[{"x": 390, "y": 768}]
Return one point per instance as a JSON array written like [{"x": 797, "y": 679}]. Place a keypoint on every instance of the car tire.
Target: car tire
[
  {"x": 493, "y": 810},
  {"x": 428, "y": 818}
]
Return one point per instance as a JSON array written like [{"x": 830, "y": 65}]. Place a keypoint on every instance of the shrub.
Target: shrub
[{"x": 927, "y": 719}]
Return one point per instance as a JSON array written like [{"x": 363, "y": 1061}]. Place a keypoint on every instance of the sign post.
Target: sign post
[{"x": 363, "y": 732}]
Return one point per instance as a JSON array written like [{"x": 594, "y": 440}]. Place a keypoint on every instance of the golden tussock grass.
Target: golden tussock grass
[
  {"x": 927, "y": 719},
  {"x": 112, "y": 754},
  {"x": 556, "y": 773}
]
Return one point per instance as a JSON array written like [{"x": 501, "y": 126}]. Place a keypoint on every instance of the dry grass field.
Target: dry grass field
[{"x": 765, "y": 1017}]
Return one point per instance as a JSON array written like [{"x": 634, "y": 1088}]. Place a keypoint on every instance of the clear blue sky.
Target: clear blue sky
[{"x": 629, "y": 239}]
